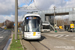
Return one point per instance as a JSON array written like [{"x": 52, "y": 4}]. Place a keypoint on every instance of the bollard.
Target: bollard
[{"x": 56, "y": 31}]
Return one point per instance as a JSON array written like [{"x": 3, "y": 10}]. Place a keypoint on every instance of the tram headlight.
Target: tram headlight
[{"x": 27, "y": 33}]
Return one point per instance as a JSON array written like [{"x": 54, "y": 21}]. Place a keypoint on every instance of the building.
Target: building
[{"x": 48, "y": 15}]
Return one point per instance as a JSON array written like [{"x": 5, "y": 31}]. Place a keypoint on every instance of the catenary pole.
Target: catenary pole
[
  {"x": 54, "y": 18},
  {"x": 16, "y": 19}
]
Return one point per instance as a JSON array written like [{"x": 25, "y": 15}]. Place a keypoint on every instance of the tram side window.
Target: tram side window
[{"x": 26, "y": 27}]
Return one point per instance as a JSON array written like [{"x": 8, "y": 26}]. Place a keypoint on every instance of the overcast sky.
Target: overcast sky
[{"x": 7, "y": 7}]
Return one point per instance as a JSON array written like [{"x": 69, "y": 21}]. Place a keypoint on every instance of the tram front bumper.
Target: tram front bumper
[{"x": 32, "y": 37}]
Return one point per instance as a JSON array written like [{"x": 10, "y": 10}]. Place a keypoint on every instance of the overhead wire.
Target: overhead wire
[
  {"x": 36, "y": 6},
  {"x": 35, "y": 9}
]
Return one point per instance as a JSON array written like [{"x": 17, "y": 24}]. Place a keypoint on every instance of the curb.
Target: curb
[
  {"x": 11, "y": 41},
  {"x": 21, "y": 42}
]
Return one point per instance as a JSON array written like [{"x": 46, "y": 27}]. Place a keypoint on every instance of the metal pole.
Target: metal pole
[
  {"x": 54, "y": 18},
  {"x": 63, "y": 24},
  {"x": 16, "y": 19}
]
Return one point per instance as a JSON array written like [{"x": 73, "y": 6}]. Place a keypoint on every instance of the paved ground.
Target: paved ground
[
  {"x": 52, "y": 41},
  {"x": 4, "y": 36},
  {"x": 63, "y": 35}
]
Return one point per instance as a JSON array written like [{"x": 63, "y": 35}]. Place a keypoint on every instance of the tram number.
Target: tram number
[{"x": 34, "y": 33}]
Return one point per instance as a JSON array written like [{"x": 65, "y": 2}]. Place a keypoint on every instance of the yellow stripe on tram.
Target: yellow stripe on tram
[{"x": 34, "y": 33}]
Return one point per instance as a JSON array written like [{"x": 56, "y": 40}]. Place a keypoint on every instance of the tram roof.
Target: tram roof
[{"x": 30, "y": 15}]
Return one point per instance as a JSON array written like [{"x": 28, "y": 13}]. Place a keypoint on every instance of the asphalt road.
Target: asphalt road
[
  {"x": 4, "y": 37},
  {"x": 51, "y": 41}
]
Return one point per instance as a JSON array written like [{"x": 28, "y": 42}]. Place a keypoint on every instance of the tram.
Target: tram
[{"x": 31, "y": 26}]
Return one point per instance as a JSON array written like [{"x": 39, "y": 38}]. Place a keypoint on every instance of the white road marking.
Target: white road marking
[
  {"x": 56, "y": 35},
  {"x": 2, "y": 30},
  {"x": 66, "y": 35},
  {"x": 1, "y": 37},
  {"x": 73, "y": 37},
  {"x": 72, "y": 40},
  {"x": 50, "y": 35},
  {"x": 64, "y": 38},
  {"x": 60, "y": 36}
]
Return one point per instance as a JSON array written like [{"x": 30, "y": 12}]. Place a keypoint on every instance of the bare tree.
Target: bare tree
[
  {"x": 10, "y": 25},
  {"x": 67, "y": 22},
  {"x": 60, "y": 22}
]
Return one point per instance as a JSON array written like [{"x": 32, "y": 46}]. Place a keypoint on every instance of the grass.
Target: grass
[
  {"x": 16, "y": 45},
  {"x": 8, "y": 29}
]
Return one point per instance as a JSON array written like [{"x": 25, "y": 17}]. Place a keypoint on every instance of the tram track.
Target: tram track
[
  {"x": 33, "y": 45},
  {"x": 39, "y": 46},
  {"x": 44, "y": 45}
]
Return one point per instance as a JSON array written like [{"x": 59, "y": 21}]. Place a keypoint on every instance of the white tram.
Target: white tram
[{"x": 31, "y": 28}]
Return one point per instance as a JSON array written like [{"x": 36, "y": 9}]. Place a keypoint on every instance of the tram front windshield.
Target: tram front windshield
[
  {"x": 46, "y": 27},
  {"x": 32, "y": 25}
]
